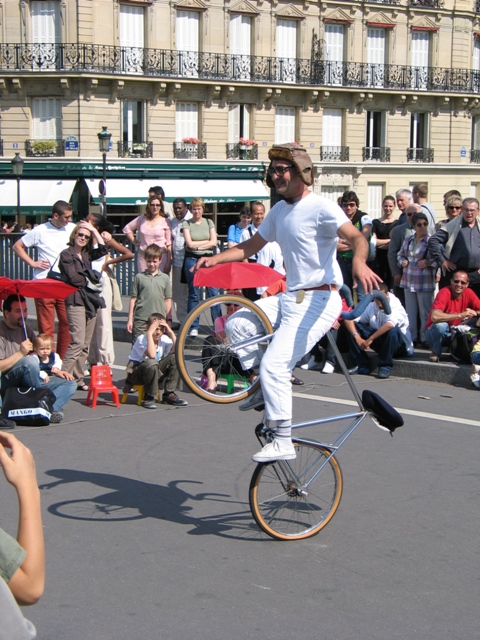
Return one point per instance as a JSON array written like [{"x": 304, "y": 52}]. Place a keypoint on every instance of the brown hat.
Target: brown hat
[{"x": 298, "y": 156}]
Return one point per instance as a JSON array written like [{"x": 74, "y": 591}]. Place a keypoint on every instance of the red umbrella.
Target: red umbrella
[
  {"x": 44, "y": 288},
  {"x": 236, "y": 275}
]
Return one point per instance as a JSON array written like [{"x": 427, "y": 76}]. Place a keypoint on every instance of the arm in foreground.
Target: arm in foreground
[
  {"x": 235, "y": 254},
  {"x": 360, "y": 270}
]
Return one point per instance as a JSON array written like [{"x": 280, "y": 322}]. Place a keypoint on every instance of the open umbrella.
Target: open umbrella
[
  {"x": 236, "y": 275},
  {"x": 43, "y": 288}
]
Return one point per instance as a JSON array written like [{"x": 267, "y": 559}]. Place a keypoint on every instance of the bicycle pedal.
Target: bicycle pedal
[{"x": 260, "y": 407}]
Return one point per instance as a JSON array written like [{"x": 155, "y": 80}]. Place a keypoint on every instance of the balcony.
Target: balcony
[
  {"x": 135, "y": 149},
  {"x": 426, "y": 4},
  {"x": 334, "y": 154},
  {"x": 239, "y": 151},
  {"x": 218, "y": 67},
  {"x": 475, "y": 156},
  {"x": 419, "y": 155},
  {"x": 190, "y": 150},
  {"x": 44, "y": 148},
  {"x": 1, "y": 147},
  {"x": 376, "y": 154}
]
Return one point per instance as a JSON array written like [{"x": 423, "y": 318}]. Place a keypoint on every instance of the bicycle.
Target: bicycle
[{"x": 289, "y": 499}]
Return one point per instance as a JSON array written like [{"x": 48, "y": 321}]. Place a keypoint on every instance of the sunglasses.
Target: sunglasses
[
  {"x": 453, "y": 207},
  {"x": 84, "y": 235},
  {"x": 154, "y": 206},
  {"x": 279, "y": 171},
  {"x": 349, "y": 204},
  {"x": 460, "y": 282},
  {"x": 422, "y": 224}
]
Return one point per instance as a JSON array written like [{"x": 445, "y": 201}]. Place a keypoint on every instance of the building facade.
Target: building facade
[{"x": 383, "y": 93}]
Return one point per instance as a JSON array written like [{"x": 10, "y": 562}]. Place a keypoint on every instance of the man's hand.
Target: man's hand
[
  {"x": 365, "y": 275},
  {"x": 206, "y": 261},
  {"x": 130, "y": 326},
  {"x": 41, "y": 264},
  {"x": 468, "y": 314},
  {"x": 449, "y": 266},
  {"x": 19, "y": 466},
  {"x": 26, "y": 347},
  {"x": 64, "y": 374},
  {"x": 364, "y": 344}
]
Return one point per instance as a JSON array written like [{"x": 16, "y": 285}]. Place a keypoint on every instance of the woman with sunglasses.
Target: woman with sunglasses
[
  {"x": 152, "y": 227},
  {"x": 418, "y": 278},
  {"x": 81, "y": 306},
  {"x": 453, "y": 208}
]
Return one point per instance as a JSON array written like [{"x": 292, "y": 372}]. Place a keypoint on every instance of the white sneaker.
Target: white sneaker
[
  {"x": 193, "y": 333},
  {"x": 253, "y": 401},
  {"x": 312, "y": 365},
  {"x": 475, "y": 378},
  {"x": 279, "y": 449},
  {"x": 328, "y": 368}
]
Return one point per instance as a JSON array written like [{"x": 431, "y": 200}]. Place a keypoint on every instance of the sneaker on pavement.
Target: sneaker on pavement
[
  {"x": 384, "y": 372},
  {"x": 56, "y": 417},
  {"x": 172, "y": 398},
  {"x": 149, "y": 403},
  {"x": 312, "y": 365},
  {"x": 328, "y": 368},
  {"x": 252, "y": 402},
  {"x": 276, "y": 450},
  {"x": 193, "y": 333}
]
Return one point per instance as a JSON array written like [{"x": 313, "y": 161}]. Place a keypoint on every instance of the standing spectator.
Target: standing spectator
[
  {"x": 200, "y": 241},
  {"x": 50, "y": 239},
  {"x": 404, "y": 198},
  {"x": 453, "y": 305},
  {"x": 269, "y": 256},
  {"x": 82, "y": 306},
  {"x": 397, "y": 237},
  {"x": 159, "y": 192},
  {"x": 457, "y": 245},
  {"x": 420, "y": 196},
  {"x": 235, "y": 230},
  {"x": 418, "y": 278},
  {"x": 101, "y": 348},
  {"x": 361, "y": 221},
  {"x": 382, "y": 228},
  {"x": 179, "y": 288},
  {"x": 153, "y": 227},
  {"x": 453, "y": 208}
]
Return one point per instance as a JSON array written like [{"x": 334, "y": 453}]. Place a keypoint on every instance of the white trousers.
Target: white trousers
[
  {"x": 298, "y": 327},
  {"x": 101, "y": 349}
]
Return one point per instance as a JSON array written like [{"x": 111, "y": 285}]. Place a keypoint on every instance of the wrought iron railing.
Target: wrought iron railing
[
  {"x": 379, "y": 154},
  {"x": 418, "y": 154},
  {"x": 427, "y": 4},
  {"x": 190, "y": 150},
  {"x": 334, "y": 154},
  {"x": 475, "y": 156},
  {"x": 135, "y": 149},
  {"x": 1, "y": 147},
  {"x": 164, "y": 63},
  {"x": 242, "y": 151},
  {"x": 44, "y": 148}
]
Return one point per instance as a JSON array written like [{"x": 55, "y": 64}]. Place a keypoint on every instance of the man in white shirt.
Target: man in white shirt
[
  {"x": 306, "y": 227},
  {"x": 50, "y": 238},
  {"x": 179, "y": 289}
]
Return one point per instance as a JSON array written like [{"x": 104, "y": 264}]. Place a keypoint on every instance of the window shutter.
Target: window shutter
[
  {"x": 476, "y": 133},
  {"x": 476, "y": 54},
  {"x": 187, "y": 26},
  {"x": 45, "y": 17},
  {"x": 46, "y": 117},
  {"x": 332, "y": 128},
  {"x": 420, "y": 48},
  {"x": 376, "y": 45},
  {"x": 240, "y": 34},
  {"x": 186, "y": 120},
  {"x": 284, "y": 125},
  {"x": 374, "y": 200},
  {"x": 233, "y": 123},
  {"x": 334, "y": 34}
]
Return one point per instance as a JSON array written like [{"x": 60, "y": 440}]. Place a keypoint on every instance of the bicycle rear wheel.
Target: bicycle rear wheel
[
  {"x": 248, "y": 329},
  {"x": 295, "y": 499}
]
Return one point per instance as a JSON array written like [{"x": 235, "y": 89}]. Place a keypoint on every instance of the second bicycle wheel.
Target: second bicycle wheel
[
  {"x": 228, "y": 331},
  {"x": 295, "y": 499}
]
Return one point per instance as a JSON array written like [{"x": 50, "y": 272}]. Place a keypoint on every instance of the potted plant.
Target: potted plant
[
  {"x": 246, "y": 144},
  {"x": 44, "y": 147}
]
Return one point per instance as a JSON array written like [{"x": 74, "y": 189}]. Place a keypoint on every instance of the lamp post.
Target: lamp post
[
  {"x": 104, "y": 138},
  {"x": 17, "y": 166}
]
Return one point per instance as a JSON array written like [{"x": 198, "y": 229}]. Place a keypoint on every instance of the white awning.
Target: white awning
[
  {"x": 36, "y": 196},
  {"x": 135, "y": 192}
]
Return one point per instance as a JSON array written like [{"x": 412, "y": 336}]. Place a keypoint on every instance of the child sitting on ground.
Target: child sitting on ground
[
  {"x": 50, "y": 362},
  {"x": 152, "y": 360}
]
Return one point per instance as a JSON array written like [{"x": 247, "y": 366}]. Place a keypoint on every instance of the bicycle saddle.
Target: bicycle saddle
[{"x": 384, "y": 415}]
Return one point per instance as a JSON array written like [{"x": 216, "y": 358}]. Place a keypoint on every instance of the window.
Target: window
[
  {"x": 334, "y": 52},
  {"x": 132, "y": 30},
  {"x": 333, "y": 193},
  {"x": 238, "y": 122},
  {"x": 332, "y": 135},
  {"x": 187, "y": 41},
  {"x": 419, "y": 138},
  {"x": 45, "y": 17},
  {"x": 286, "y": 50},
  {"x": 374, "y": 200},
  {"x": 284, "y": 125},
  {"x": 375, "y": 137},
  {"x": 240, "y": 45},
  {"x": 133, "y": 119},
  {"x": 375, "y": 70},
  {"x": 420, "y": 59},
  {"x": 475, "y": 144},
  {"x": 186, "y": 120},
  {"x": 476, "y": 64},
  {"x": 46, "y": 118}
]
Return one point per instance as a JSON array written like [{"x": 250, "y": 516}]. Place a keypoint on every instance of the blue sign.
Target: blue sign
[
  {"x": 71, "y": 143},
  {"x": 463, "y": 152}
]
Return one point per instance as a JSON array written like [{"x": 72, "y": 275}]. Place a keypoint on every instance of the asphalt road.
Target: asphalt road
[{"x": 149, "y": 533}]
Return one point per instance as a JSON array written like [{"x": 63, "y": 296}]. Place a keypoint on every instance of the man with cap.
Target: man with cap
[{"x": 307, "y": 227}]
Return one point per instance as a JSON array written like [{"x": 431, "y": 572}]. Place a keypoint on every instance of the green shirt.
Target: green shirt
[
  {"x": 150, "y": 292},
  {"x": 199, "y": 233}
]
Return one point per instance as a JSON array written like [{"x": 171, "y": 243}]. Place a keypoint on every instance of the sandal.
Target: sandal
[
  {"x": 82, "y": 387},
  {"x": 434, "y": 358},
  {"x": 297, "y": 381}
]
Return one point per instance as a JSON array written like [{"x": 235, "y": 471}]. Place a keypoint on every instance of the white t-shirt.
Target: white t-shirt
[
  {"x": 375, "y": 318},
  {"x": 307, "y": 234},
  {"x": 50, "y": 243},
  {"x": 13, "y": 626},
  {"x": 271, "y": 252},
  {"x": 164, "y": 346},
  {"x": 178, "y": 241}
]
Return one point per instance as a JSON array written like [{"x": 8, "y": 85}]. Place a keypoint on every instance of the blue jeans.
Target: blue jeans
[
  {"x": 437, "y": 336},
  {"x": 25, "y": 373},
  {"x": 387, "y": 346},
  {"x": 216, "y": 310}
]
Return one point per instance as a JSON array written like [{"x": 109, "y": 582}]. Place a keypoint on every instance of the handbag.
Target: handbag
[
  {"x": 32, "y": 407},
  {"x": 56, "y": 275},
  {"x": 117, "y": 304},
  {"x": 93, "y": 280}
]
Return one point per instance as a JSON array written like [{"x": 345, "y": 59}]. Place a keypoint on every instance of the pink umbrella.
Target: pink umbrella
[{"x": 236, "y": 275}]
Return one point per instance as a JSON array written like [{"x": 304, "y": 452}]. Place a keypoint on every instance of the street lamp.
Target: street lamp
[
  {"x": 17, "y": 166},
  {"x": 104, "y": 138}
]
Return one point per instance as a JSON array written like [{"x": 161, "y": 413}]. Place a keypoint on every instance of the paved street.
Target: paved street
[{"x": 149, "y": 533}]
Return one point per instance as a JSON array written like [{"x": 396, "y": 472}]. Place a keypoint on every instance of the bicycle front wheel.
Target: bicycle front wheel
[
  {"x": 246, "y": 335},
  {"x": 295, "y": 499}
]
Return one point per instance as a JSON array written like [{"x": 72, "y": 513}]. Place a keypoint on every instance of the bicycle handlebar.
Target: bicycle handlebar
[{"x": 364, "y": 302}]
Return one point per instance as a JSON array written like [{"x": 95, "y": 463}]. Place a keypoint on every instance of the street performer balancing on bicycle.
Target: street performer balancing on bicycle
[{"x": 307, "y": 227}]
